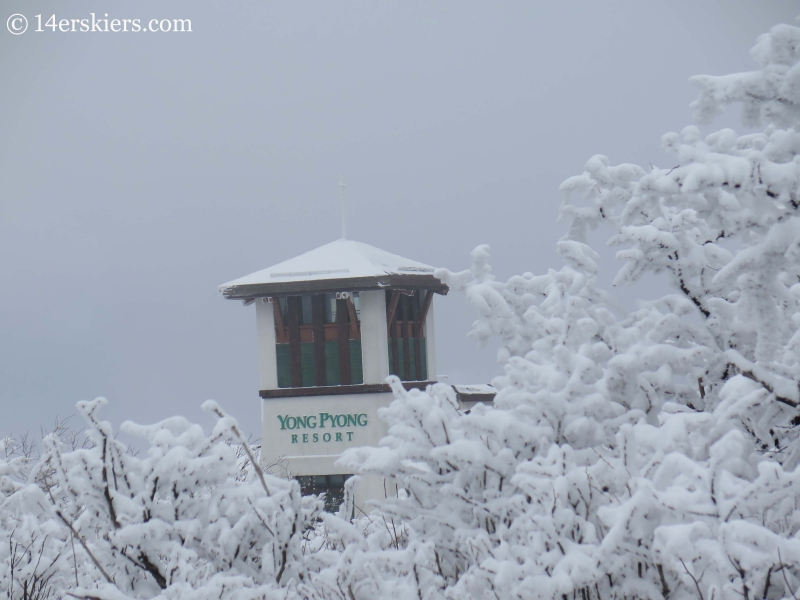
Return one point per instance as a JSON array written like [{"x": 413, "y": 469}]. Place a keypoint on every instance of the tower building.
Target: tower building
[{"x": 332, "y": 325}]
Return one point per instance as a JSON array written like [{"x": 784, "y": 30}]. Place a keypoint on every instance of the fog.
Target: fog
[{"x": 138, "y": 171}]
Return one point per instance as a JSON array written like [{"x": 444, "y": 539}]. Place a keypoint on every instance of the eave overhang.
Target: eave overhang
[{"x": 342, "y": 284}]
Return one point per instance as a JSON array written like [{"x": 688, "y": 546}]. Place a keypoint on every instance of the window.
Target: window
[
  {"x": 318, "y": 340},
  {"x": 330, "y": 307},
  {"x": 305, "y": 317},
  {"x": 406, "y": 311},
  {"x": 305, "y": 314},
  {"x": 330, "y": 485}
]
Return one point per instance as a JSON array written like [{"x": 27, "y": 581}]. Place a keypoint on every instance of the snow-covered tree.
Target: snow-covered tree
[
  {"x": 36, "y": 556},
  {"x": 651, "y": 454},
  {"x": 724, "y": 226},
  {"x": 183, "y": 521}
]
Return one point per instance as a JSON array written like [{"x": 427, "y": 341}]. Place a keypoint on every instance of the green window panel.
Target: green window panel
[
  {"x": 356, "y": 369},
  {"x": 284, "y": 371},
  {"x": 412, "y": 350},
  {"x": 332, "y": 363},
  {"x": 307, "y": 364}
]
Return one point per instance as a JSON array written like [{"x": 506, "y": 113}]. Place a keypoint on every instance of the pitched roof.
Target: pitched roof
[{"x": 342, "y": 265}]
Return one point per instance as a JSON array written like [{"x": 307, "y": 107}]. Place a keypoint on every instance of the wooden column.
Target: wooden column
[
  {"x": 280, "y": 328},
  {"x": 392, "y": 325},
  {"x": 426, "y": 306},
  {"x": 355, "y": 331},
  {"x": 343, "y": 336},
  {"x": 421, "y": 318},
  {"x": 406, "y": 341},
  {"x": 417, "y": 333},
  {"x": 295, "y": 310},
  {"x": 318, "y": 328},
  {"x": 391, "y": 308}
]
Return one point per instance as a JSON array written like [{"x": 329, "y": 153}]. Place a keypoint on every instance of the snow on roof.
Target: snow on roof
[
  {"x": 341, "y": 259},
  {"x": 480, "y": 388},
  {"x": 470, "y": 395}
]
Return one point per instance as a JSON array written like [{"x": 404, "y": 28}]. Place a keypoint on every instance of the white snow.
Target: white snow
[
  {"x": 480, "y": 388},
  {"x": 646, "y": 455},
  {"x": 339, "y": 259}
]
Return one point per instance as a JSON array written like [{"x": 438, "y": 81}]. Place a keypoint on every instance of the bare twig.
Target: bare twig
[
  {"x": 696, "y": 583},
  {"x": 752, "y": 376},
  {"x": 783, "y": 572},
  {"x": 74, "y": 558},
  {"x": 235, "y": 429},
  {"x": 66, "y": 522}
]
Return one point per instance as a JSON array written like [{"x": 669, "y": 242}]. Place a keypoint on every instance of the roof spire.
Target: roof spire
[{"x": 343, "y": 200}]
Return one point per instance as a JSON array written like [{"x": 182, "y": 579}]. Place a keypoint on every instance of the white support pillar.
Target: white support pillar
[
  {"x": 267, "y": 358},
  {"x": 430, "y": 342},
  {"x": 374, "y": 343}
]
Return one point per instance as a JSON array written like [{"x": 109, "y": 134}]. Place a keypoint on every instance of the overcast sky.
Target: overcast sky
[{"x": 138, "y": 171}]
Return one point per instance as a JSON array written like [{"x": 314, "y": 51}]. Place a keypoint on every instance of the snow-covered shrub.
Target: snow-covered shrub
[
  {"x": 642, "y": 455},
  {"x": 723, "y": 226},
  {"x": 510, "y": 496},
  {"x": 182, "y": 521},
  {"x": 35, "y": 554},
  {"x": 36, "y": 557}
]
